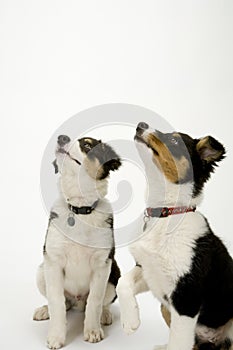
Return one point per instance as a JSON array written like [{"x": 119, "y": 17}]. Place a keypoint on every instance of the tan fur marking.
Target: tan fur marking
[
  {"x": 166, "y": 315},
  {"x": 164, "y": 159},
  {"x": 174, "y": 169},
  {"x": 183, "y": 166},
  {"x": 203, "y": 143},
  {"x": 88, "y": 140},
  {"x": 175, "y": 134},
  {"x": 93, "y": 167}
]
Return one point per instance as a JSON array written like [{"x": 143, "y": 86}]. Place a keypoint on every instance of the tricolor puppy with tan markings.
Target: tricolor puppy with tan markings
[
  {"x": 79, "y": 268},
  {"x": 179, "y": 258}
]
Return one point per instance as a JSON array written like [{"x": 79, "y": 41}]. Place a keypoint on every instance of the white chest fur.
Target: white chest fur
[
  {"x": 166, "y": 250},
  {"x": 81, "y": 249},
  {"x": 78, "y": 262}
]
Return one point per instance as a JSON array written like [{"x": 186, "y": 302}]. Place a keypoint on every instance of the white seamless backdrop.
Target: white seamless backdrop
[{"x": 60, "y": 57}]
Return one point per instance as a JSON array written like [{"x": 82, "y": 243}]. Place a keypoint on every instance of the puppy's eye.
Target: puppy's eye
[
  {"x": 174, "y": 141},
  {"x": 87, "y": 146}
]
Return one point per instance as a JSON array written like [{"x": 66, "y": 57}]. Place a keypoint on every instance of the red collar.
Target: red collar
[{"x": 163, "y": 212}]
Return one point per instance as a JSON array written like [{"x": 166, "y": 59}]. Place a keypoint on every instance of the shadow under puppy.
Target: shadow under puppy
[
  {"x": 179, "y": 258},
  {"x": 79, "y": 268}
]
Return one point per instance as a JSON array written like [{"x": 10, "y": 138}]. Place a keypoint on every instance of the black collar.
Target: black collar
[{"x": 83, "y": 210}]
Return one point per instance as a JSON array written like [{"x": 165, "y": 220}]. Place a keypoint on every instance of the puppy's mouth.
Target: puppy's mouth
[
  {"x": 142, "y": 138},
  {"x": 139, "y": 136},
  {"x": 61, "y": 150}
]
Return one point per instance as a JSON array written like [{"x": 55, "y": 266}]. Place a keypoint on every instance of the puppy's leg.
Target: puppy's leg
[
  {"x": 54, "y": 279},
  {"x": 110, "y": 295},
  {"x": 167, "y": 317},
  {"x": 92, "y": 328},
  {"x": 182, "y": 333},
  {"x": 40, "y": 280},
  {"x": 41, "y": 313},
  {"x": 128, "y": 286}
]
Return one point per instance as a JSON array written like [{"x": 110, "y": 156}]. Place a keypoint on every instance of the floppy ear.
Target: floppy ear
[
  {"x": 113, "y": 164},
  {"x": 210, "y": 150},
  {"x": 111, "y": 160},
  {"x": 55, "y": 166}
]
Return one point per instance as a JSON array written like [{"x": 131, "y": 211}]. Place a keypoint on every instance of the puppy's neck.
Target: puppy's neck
[
  {"x": 80, "y": 189},
  {"x": 162, "y": 193}
]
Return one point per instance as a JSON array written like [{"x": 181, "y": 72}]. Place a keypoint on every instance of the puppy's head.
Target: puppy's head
[
  {"x": 178, "y": 156},
  {"x": 96, "y": 157}
]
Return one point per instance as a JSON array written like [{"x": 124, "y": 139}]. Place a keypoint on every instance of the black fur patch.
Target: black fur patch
[
  {"x": 55, "y": 166},
  {"x": 115, "y": 273},
  {"x": 226, "y": 345},
  {"x": 112, "y": 253},
  {"x": 52, "y": 216},
  {"x": 208, "y": 287},
  {"x": 138, "y": 265},
  {"x": 109, "y": 221}
]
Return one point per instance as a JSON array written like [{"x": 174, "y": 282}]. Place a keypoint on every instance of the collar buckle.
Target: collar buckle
[{"x": 165, "y": 212}]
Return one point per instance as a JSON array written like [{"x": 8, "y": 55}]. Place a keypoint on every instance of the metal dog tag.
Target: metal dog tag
[{"x": 71, "y": 220}]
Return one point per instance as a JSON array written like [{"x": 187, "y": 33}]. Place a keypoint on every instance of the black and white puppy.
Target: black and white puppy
[
  {"x": 79, "y": 267},
  {"x": 179, "y": 258}
]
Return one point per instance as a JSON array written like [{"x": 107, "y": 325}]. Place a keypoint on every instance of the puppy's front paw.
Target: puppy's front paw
[
  {"x": 55, "y": 342},
  {"x": 130, "y": 320},
  {"x": 160, "y": 347},
  {"x": 56, "y": 337},
  {"x": 130, "y": 325},
  {"x": 41, "y": 313},
  {"x": 94, "y": 335}
]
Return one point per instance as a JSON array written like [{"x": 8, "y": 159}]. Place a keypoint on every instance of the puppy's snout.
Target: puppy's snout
[
  {"x": 63, "y": 140},
  {"x": 142, "y": 126}
]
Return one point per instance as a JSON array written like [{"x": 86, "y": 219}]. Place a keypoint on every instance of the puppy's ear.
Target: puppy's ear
[
  {"x": 111, "y": 160},
  {"x": 210, "y": 150},
  {"x": 113, "y": 164},
  {"x": 108, "y": 159},
  {"x": 55, "y": 166}
]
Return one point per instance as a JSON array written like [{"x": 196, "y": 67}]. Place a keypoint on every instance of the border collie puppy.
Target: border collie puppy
[
  {"x": 179, "y": 258},
  {"x": 79, "y": 267}
]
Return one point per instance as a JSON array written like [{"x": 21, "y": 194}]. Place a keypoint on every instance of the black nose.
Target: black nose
[
  {"x": 63, "y": 140},
  {"x": 142, "y": 126}
]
